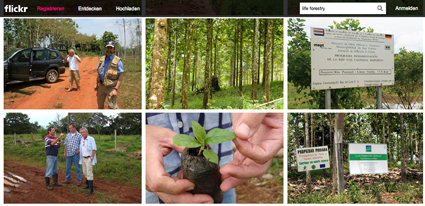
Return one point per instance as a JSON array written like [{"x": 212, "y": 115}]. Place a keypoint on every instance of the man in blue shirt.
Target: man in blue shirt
[
  {"x": 87, "y": 158},
  {"x": 258, "y": 137},
  {"x": 51, "y": 143},
  {"x": 110, "y": 75}
]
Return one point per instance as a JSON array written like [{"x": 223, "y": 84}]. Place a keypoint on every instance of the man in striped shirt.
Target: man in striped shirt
[{"x": 51, "y": 144}]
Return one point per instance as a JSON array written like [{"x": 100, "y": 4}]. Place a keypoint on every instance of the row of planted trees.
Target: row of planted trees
[
  {"x": 204, "y": 54},
  {"x": 401, "y": 132}
]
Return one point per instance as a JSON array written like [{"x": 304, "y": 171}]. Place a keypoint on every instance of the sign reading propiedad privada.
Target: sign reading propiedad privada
[
  {"x": 368, "y": 158},
  {"x": 313, "y": 158},
  {"x": 344, "y": 59}
]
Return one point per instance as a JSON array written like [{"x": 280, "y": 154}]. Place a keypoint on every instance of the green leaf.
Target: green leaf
[
  {"x": 217, "y": 136},
  {"x": 211, "y": 156},
  {"x": 199, "y": 132},
  {"x": 185, "y": 141}
]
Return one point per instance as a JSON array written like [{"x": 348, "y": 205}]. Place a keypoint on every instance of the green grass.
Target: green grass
[
  {"x": 112, "y": 165},
  {"x": 228, "y": 98},
  {"x": 130, "y": 92}
]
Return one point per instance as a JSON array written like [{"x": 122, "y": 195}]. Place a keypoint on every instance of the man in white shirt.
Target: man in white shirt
[{"x": 74, "y": 74}]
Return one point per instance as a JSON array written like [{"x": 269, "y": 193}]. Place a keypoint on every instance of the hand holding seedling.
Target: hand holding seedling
[
  {"x": 159, "y": 143},
  {"x": 259, "y": 138}
]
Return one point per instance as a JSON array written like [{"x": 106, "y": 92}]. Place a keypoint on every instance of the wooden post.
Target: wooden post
[
  {"x": 14, "y": 140},
  {"x": 32, "y": 138},
  {"x": 339, "y": 131},
  {"x": 115, "y": 140},
  {"x": 307, "y": 145}
]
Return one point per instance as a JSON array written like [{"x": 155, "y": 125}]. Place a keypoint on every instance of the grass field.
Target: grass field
[
  {"x": 228, "y": 98},
  {"x": 130, "y": 92},
  {"x": 116, "y": 166}
]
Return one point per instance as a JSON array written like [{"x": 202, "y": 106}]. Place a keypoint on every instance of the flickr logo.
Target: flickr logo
[{"x": 11, "y": 8}]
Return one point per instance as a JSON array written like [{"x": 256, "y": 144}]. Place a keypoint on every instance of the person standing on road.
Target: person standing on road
[
  {"x": 87, "y": 158},
  {"x": 110, "y": 75},
  {"x": 51, "y": 143},
  {"x": 72, "y": 150},
  {"x": 74, "y": 74}
]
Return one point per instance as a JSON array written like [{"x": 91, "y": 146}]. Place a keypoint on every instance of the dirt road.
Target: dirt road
[
  {"x": 34, "y": 190},
  {"x": 41, "y": 95}
]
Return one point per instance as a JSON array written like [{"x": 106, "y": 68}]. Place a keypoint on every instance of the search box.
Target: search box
[{"x": 343, "y": 8}]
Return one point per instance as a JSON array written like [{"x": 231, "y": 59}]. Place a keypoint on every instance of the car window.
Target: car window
[
  {"x": 23, "y": 56},
  {"x": 53, "y": 55},
  {"x": 41, "y": 55}
]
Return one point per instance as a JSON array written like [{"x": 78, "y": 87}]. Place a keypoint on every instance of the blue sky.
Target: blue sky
[
  {"x": 98, "y": 26},
  {"x": 408, "y": 32}
]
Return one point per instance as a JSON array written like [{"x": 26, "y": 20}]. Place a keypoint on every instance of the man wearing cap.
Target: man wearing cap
[
  {"x": 110, "y": 75},
  {"x": 51, "y": 144},
  {"x": 74, "y": 74}
]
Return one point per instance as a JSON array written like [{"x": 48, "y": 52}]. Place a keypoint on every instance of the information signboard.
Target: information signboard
[
  {"x": 312, "y": 158},
  {"x": 344, "y": 59},
  {"x": 368, "y": 158}
]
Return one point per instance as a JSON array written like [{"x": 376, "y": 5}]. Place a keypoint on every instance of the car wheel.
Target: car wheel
[{"x": 52, "y": 76}]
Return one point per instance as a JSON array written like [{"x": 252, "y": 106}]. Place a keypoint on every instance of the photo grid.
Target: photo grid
[{"x": 323, "y": 102}]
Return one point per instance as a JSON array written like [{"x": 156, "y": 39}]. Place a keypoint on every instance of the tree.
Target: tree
[
  {"x": 18, "y": 123},
  {"x": 186, "y": 71},
  {"x": 254, "y": 60},
  {"x": 339, "y": 132},
  {"x": 307, "y": 141},
  {"x": 207, "y": 81},
  {"x": 240, "y": 61},
  {"x": 97, "y": 127},
  {"x": 156, "y": 94},
  {"x": 403, "y": 160},
  {"x": 267, "y": 59}
]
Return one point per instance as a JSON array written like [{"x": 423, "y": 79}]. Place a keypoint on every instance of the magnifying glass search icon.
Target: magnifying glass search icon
[{"x": 380, "y": 7}]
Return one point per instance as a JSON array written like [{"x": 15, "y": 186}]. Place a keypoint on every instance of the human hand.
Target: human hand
[
  {"x": 64, "y": 153},
  {"x": 259, "y": 136},
  {"x": 77, "y": 152},
  {"x": 95, "y": 87},
  {"x": 60, "y": 141},
  {"x": 61, "y": 135},
  {"x": 114, "y": 93},
  {"x": 159, "y": 143}
]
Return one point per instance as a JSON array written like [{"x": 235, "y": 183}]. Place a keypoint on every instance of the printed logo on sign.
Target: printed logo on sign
[
  {"x": 387, "y": 47},
  {"x": 388, "y": 36},
  {"x": 322, "y": 165},
  {"x": 321, "y": 45},
  {"x": 305, "y": 167},
  {"x": 368, "y": 148},
  {"x": 313, "y": 166},
  {"x": 319, "y": 32},
  {"x": 11, "y": 8}
]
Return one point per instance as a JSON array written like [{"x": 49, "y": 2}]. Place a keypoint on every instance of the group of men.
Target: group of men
[
  {"x": 110, "y": 75},
  {"x": 79, "y": 149}
]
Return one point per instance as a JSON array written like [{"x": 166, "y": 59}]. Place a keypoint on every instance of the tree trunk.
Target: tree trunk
[
  {"x": 235, "y": 51},
  {"x": 267, "y": 62},
  {"x": 207, "y": 80},
  {"x": 339, "y": 132},
  {"x": 311, "y": 128},
  {"x": 259, "y": 53},
  {"x": 266, "y": 26},
  {"x": 174, "y": 66},
  {"x": 240, "y": 59},
  {"x": 272, "y": 54},
  {"x": 297, "y": 141},
  {"x": 403, "y": 161},
  {"x": 169, "y": 57},
  {"x": 383, "y": 128},
  {"x": 194, "y": 64},
  {"x": 186, "y": 71},
  {"x": 410, "y": 138},
  {"x": 308, "y": 175},
  {"x": 254, "y": 62},
  {"x": 156, "y": 98}
]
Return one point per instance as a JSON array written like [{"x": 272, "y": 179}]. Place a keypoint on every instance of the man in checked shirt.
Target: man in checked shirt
[{"x": 71, "y": 152}]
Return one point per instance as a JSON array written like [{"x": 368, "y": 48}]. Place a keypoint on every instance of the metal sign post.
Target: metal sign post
[
  {"x": 379, "y": 97},
  {"x": 328, "y": 99}
]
